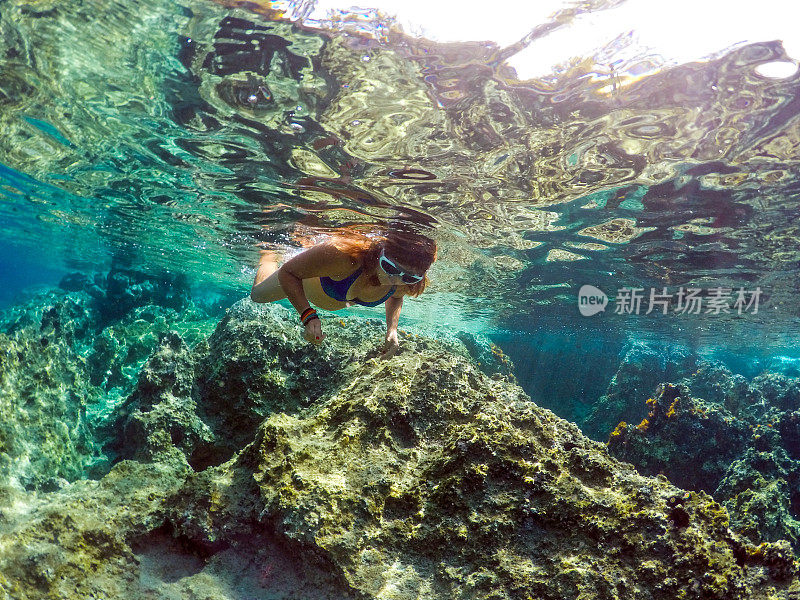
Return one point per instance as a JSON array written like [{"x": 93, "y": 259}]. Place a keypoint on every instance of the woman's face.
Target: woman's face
[{"x": 394, "y": 272}]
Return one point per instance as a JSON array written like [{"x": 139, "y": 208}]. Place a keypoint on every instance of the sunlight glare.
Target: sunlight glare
[{"x": 672, "y": 33}]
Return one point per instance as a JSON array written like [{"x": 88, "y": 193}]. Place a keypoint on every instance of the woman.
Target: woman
[{"x": 349, "y": 269}]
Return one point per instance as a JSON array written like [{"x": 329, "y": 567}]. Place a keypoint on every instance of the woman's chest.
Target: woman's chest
[
  {"x": 366, "y": 292},
  {"x": 359, "y": 289}
]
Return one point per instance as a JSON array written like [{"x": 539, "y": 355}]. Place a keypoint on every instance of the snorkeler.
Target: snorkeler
[{"x": 348, "y": 269}]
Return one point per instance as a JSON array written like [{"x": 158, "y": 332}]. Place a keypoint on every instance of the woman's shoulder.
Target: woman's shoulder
[
  {"x": 339, "y": 261},
  {"x": 321, "y": 260}
]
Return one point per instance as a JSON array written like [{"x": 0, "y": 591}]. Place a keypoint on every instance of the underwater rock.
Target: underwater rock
[
  {"x": 489, "y": 356},
  {"x": 45, "y": 434},
  {"x": 640, "y": 370},
  {"x": 258, "y": 363},
  {"x": 127, "y": 289},
  {"x": 414, "y": 477},
  {"x": 691, "y": 442},
  {"x": 63, "y": 370},
  {"x": 713, "y": 382},
  {"x": 644, "y": 367},
  {"x": 45, "y": 439},
  {"x": 122, "y": 290},
  {"x": 775, "y": 391},
  {"x": 761, "y": 489},
  {"x": 121, "y": 347},
  {"x": 110, "y": 540},
  {"x": 161, "y": 413},
  {"x": 74, "y": 282},
  {"x": 422, "y": 477},
  {"x": 55, "y": 314},
  {"x": 762, "y": 511},
  {"x": 749, "y": 461},
  {"x": 76, "y": 543}
]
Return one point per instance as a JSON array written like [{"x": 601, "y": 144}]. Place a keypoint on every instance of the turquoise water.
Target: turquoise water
[
  {"x": 151, "y": 149},
  {"x": 169, "y": 141},
  {"x": 211, "y": 130}
]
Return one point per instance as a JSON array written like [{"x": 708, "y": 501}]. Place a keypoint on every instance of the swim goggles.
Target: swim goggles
[{"x": 393, "y": 270}]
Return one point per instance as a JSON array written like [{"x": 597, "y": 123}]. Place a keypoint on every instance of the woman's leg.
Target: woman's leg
[{"x": 266, "y": 287}]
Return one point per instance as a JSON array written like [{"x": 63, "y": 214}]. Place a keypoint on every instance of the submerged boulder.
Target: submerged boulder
[
  {"x": 45, "y": 439},
  {"x": 749, "y": 460},
  {"x": 641, "y": 369},
  {"x": 643, "y": 366},
  {"x": 64, "y": 367},
  {"x": 691, "y": 441},
  {"x": 416, "y": 477},
  {"x": 421, "y": 477},
  {"x": 77, "y": 542},
  {"x": 257, "y": 363},
  {"x": 121, "y": 290},
  {"x": 161, "y": 414},
  {"x": 45, "y": 394}
]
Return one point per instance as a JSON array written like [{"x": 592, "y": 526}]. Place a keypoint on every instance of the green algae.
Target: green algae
[
  {"x": 422, "y": 476},
  {"x": 67, "y": 363}
]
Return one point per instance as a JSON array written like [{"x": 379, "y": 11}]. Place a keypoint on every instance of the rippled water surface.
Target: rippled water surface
[{"x": 178, "y": 135}]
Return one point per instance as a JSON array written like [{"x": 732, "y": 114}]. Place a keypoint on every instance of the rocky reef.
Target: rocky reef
[
  {"x": 711, "y": 430},
  {"x": 743, "y": 448},
  {"x": 251, "y": 464},
  {"x": 68, "y": 357},
  {"x": 641, "y": 368}
]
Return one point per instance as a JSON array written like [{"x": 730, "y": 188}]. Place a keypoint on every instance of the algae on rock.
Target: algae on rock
[
  {"x": 748, "y": 460},
  {"x": 68, "y": 357},
  {"x": 421, "y": 477},
  {"x": 417, "y": 477}
]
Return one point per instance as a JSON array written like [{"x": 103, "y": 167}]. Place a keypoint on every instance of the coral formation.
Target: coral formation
[
  {"x": 749, "y": 460},
  {"x": 416, "y": 477}
]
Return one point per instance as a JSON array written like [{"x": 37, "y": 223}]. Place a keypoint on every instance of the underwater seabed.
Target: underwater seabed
[{"x": 154, "y": 447}]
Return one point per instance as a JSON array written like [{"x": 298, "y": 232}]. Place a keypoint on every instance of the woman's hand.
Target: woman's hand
[
  {"x": 313, "y": 332},
  {"x": 390, "y": 346}
]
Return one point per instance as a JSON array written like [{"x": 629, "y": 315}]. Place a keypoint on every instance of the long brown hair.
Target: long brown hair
[{"x": 413, "y": 250}]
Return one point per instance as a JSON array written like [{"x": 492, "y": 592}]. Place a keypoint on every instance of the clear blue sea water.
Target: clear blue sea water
[
  {"x": 613, "y": 211},
  {"x": 211, "y": 129},
  {"x": 175, "y": 137}
]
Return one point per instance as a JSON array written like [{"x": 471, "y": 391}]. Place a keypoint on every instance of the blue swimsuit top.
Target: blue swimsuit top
[{"x": 338, "y": 289}]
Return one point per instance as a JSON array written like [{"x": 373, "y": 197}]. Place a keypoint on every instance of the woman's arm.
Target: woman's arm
[
  {"x": 321, "y": 260},
  {"x": 393, "y": 305}
]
